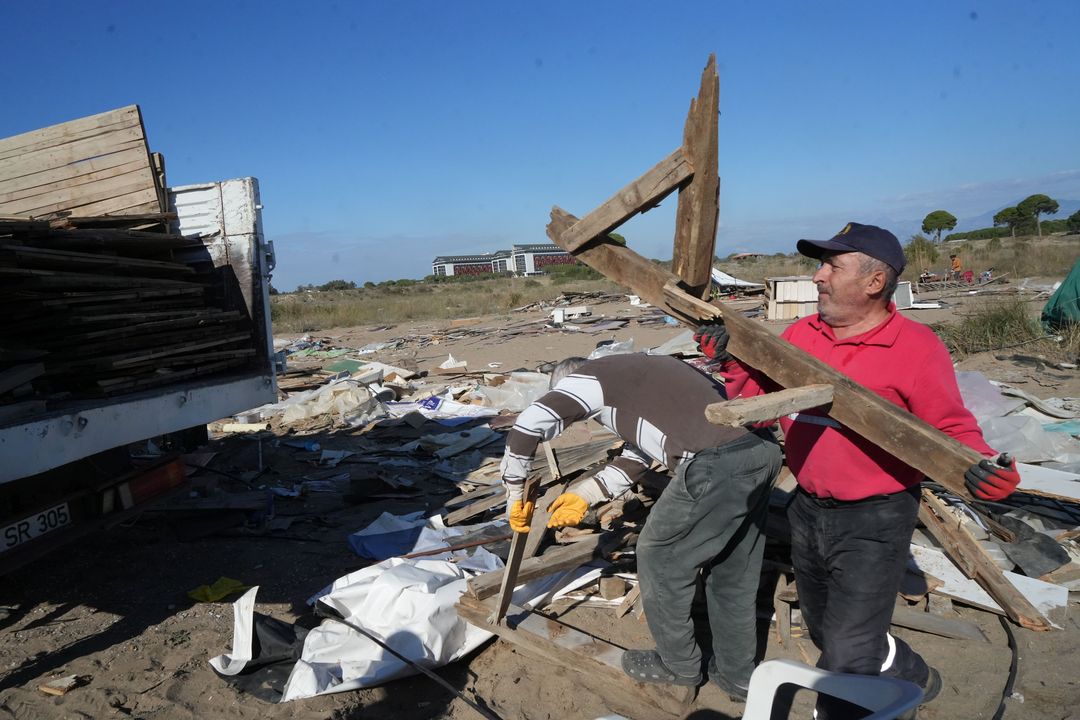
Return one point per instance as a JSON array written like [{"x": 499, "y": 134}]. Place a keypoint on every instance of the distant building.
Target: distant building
[
  {"x": 745, "y": 256},
  {"x": 520, "y": 260},
  {"x": 532, "y": 259}
]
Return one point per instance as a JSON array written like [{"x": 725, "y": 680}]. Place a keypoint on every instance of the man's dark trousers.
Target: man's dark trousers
[
  {"x": 849, "y": 559},
  {"x": 710, "y": 518}
]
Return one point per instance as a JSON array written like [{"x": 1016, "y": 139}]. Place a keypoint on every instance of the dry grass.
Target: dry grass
[
  {"x": 311, "y": 311},
  {"x": 1004, "y": 324}
]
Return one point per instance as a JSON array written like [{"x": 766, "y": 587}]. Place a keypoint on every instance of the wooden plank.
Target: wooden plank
[
  {"x": 71, "y": 137},
  {"x": 51, "y": 158},
  {"x": 513, "y": 562},
  {"x": 135, "y": 189},
  {"x": 628, "y": 602},
  {"x": 143, "y": 202},
  {"x": 595, "y": 663},
  {"x": 562, "y": 557},
  {"x": 936, "y": 625},
  {"x": 540, "y": 513},
  {"x": 699, "y": 210},
  {"x": 73, "y": 172},
  {"x": 58, "y": 278},
  {"x": 30, "y": 255},
  {"x": 69, "y": 184},
  {"x": 13, "y": 377},
  {"x": 571, "y": 459},
  {"x": 643, "y": 194},
  {"x": 767, "y": 408},
  {"x": 60, "y": 686},
  {"x": 78, "y": 193},
  {"x": 618, "y": 263},
  {"x": 63, "y": 129},
  {"x": 970, "y": 557}
]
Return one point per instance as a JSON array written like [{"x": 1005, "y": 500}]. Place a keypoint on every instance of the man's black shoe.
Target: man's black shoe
[{"x": 737, "y": 693}]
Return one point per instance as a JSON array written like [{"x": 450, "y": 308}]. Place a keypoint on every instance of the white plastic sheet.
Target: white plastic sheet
[
  {"x": 407, "y": 604},
  {"x": 516, "y": 394}
]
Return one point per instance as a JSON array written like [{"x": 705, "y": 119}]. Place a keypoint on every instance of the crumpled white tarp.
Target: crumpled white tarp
[{"x": 407, "y": 604}]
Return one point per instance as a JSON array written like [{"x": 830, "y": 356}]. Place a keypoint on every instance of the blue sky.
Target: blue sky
[{"x": 385, "y": 133}]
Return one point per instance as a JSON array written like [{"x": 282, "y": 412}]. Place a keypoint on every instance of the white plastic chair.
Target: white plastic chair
[{"x": 888, "y": 697}]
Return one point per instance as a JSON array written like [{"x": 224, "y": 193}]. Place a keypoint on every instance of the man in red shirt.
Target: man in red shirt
[{"x": 856, "y": 506}]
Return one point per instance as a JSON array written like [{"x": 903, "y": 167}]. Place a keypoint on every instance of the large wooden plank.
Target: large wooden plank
[
  {"x": 641, "y": 195},
  {"x": 71, "y": 128},
  {"x": 87, "y": 134},
  {"x": 73, "y": 172},
  {"x": 699, "y": 209},
  {"x": 591, "y": 661},
  {"x": 144, "y": 202},
  {"x": 100, "y": 198},
  {"x": 48, "y": 257},
  {"x": 50, "y": 158},
  {"x": 69, "y": 184},
  {"x": 107, "y": 184}
]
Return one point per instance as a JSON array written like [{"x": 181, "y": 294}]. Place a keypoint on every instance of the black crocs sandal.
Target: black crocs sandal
[
  {"x": 646, "y": 666},
  {"x": 735, "y": 692}
]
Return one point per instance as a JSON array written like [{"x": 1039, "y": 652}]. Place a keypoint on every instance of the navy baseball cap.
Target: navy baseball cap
[{"x": 855, "y": 237}]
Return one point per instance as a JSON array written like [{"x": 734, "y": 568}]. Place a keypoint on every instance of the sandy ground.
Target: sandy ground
[{"x": 113, "y": 608}]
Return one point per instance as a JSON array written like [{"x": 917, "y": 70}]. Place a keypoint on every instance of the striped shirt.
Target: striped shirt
[{"x": 655, "y": 403}]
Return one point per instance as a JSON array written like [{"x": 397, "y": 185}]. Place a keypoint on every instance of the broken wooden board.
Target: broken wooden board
[
  {"x": 628, "y": 602},
  {"x": 644, "y": 193},
  {"x": 970, "y": 557},
  {"x": 768, "y": 407},
  {"x": 595, "y": 662},
  {"x": 540, "y": 513},
  {"x": 699, "y": 202}
]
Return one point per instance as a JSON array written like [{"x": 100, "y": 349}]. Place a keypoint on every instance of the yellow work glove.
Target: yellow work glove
[
  {"x": 568, "y": 509},
  {"x": 521, "y": 516}
]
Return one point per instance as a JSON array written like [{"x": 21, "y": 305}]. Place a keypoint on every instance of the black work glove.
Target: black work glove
[
  {"x": 992, "y": 480},
  {"x": 712, "y": 341}
]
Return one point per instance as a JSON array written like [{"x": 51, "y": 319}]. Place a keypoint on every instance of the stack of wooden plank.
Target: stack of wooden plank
[
  {"x": 96, "y": 165},
  {"x": 90, "y": 307}
]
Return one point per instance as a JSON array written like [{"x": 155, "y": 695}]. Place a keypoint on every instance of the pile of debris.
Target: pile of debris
[{"x": 437, "y": 435}]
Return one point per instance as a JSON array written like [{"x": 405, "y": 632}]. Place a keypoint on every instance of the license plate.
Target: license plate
[{"x": 34, "y": 526}]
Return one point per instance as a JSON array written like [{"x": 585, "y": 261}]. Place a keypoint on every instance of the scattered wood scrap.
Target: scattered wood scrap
[{"x": 61, "y": 686}]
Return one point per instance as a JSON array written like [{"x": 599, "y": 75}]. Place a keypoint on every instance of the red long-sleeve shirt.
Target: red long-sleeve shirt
[{"x": 900, "y": 360}]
